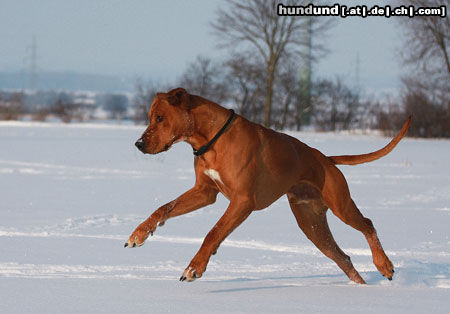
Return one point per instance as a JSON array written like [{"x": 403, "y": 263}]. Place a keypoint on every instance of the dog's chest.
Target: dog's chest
[{"x": 214, "y": 175}]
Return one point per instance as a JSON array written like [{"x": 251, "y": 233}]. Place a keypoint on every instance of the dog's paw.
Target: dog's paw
[
  {"x": 389, "y": 271},
  {"x": 138, "y": 236},
  {"x": 386, "y": 268},
  {"x": 190, "y": 274}
]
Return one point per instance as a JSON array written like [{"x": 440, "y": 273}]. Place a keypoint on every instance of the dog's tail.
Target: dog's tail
[{"x": 360, "y": 159}]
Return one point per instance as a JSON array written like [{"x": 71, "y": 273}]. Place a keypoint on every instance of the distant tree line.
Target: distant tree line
[
  {"x": 261, "y": 78},
  {"x": 64, "y": 106},
  {"x": 335, "y": 106},
  {"x": 11, "y": 105}
]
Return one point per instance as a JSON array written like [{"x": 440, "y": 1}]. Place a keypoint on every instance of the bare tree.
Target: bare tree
[
  {"x": 335, "y": 105},
  {"x": 116, "y": 105},
  {"x": 40, "y": 114},
  {"x": 255, "y": 26},
  {"x": 426, "y": 50},
  {"x": 11, "y": 105},
  {"x": 142, "y": 101},
  {"x": 426, "y": 79},
  {"x": 65, "y": 108},
  {"x": 246, "y": 89},
  {"x": 245, "y": 78},
  {"x": 287, "y": 92},
  {"x": 203, "y": 77},
  {"x": 427, "y": 39},
  {"x": 426, "y": 53}
]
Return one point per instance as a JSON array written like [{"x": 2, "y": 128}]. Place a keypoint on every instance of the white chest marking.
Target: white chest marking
[{"x": 213, "y": 174}]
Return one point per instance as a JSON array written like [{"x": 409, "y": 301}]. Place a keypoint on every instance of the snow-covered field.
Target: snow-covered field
[{"x": 70, "y": 195}]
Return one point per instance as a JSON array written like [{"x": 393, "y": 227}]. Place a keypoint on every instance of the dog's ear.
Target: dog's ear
[{"x": 177, "y": 96}]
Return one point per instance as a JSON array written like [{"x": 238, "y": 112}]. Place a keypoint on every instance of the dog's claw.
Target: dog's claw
[
  {"x": 126, "y": 244},
  {"x": 390, "y": 278},
  {"x": 134, "y": 244},
  {"x": 190, "y": 274}
]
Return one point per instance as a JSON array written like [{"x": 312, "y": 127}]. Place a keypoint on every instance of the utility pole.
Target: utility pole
[
  {"x": 33, "y": 64},
  {"x": 357, "y": 72},
  {"x": 303, "y": 116}
]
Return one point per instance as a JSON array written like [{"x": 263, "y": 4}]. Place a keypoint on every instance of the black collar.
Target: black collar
[{"x": 205, "y": 147}]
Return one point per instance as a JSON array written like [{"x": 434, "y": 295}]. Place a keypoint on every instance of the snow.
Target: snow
[{"x": 70, "y": 195}]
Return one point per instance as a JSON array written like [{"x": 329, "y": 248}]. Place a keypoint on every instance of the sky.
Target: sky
[{"x": 157, "y": 39}]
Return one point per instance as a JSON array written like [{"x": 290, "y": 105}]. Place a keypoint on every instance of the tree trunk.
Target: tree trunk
[
  {"x": 285, "y": 111},
  {"x": 298, "y": 113},
  {"x": 333, "y": 116},
  {"x": 444, "y": 51},
  {"x": 269, "y": 92}
]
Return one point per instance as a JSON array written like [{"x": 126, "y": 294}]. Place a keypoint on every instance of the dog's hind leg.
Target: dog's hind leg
[
  {"x": 353, "y": 217},
  {"x": 337, "y": 197},
  {"x": 311, "y": 218}
]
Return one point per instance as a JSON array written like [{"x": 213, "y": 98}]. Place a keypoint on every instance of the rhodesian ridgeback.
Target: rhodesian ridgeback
[{"x": 253, "y": 166}]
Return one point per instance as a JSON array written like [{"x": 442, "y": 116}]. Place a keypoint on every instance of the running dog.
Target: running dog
[{"x": 253, "y": 166}]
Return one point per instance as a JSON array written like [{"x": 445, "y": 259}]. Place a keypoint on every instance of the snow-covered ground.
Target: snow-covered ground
[{"x": 70, "y": 195}]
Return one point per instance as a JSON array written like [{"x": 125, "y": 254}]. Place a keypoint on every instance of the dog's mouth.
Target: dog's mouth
[
  {"x": 168, "y": 146},
  {"x": 165, "y": 148}
]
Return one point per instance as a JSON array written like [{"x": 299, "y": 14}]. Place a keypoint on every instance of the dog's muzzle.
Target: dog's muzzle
[{"x": 140, "y": 144}]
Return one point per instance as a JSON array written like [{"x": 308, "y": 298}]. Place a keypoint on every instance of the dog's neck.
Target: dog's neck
[{"x": 202, "y": 132}]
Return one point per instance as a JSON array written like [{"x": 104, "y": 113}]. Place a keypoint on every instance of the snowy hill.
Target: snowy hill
[{"x": 71, "y": 195}]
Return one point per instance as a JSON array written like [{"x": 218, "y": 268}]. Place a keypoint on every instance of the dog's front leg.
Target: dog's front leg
[
  {"x": 195, "y": 198},
  {"x": 236, "y": 213}
]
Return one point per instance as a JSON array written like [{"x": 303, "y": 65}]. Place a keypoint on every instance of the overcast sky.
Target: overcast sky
[{"x": 156, "y": 39}]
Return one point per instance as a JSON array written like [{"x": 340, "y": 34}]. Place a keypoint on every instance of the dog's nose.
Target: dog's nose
[{"x": 140, "y": 144}]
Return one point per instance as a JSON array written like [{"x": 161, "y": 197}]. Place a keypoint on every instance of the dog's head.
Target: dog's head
[{"x": 170, "y": 122}]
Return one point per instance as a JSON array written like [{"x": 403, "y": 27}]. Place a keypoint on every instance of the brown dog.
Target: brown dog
[{"x": 253, "y": 166}]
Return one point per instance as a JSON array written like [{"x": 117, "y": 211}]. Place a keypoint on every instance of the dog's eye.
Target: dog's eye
[{"x": 159, "y": 118}]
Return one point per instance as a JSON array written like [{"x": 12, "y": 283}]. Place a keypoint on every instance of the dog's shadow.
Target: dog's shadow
[
  {"x": 414, "y": 273},
  {"x": 338, "y": 279},
  {"x": 373, "y": 278}
]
